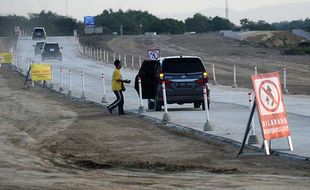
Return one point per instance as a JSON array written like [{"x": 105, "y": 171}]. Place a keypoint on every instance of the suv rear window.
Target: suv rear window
[
  {"x": 39, "y": 30},
  {"x": 51, "y": 47},
  {"x": 182, "y": 65}
]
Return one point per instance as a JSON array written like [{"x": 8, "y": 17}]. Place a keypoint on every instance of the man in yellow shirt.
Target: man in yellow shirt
[{"x": 118, "y": 88}]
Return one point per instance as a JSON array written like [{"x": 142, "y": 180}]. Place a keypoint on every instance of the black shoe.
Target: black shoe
[
  {"x": 123, "y": 113},
  {"x": 110, "y": 111}
]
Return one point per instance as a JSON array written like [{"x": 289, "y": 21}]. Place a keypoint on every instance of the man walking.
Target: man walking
[{"x": 118, "y": 88}]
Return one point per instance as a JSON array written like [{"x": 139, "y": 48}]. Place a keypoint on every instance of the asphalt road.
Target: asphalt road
[{"x": 229, "y": 107}]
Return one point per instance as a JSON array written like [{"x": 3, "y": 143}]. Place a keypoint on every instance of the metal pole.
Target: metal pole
[{"x": 253, "y": 139}]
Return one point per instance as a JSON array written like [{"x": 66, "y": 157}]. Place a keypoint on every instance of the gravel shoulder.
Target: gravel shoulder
[{"x": 51, "y": 142}]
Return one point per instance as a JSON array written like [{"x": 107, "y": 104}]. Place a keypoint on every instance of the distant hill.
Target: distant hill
[{"x": 276, "y": 13}]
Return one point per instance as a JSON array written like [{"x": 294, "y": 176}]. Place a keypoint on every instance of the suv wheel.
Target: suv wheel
[
  {"x": 197, "y": 104},
  {"x": 150, "y": 104}
]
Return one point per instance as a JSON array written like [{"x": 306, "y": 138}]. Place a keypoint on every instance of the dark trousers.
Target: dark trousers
[{"x": 119, "y": 102}]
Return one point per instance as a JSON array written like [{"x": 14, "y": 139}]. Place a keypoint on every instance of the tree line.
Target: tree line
[{"x": 137, "y": 22}]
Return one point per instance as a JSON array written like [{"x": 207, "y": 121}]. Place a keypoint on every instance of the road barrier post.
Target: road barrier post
[
  {"x": 125, "y": 61},
  {"x": 207, "y": 126},
  {"x": 83, "y": 97},
  {"x": 166, "y": 117},
  {"x": 52, "y": 78},
  {"x": 132, "y": 62},
  {"x": 103, "y": 99},
  {"x": 253, "y": 139},
  {"x": 140, "y": 62},
  {"x": 235, "y": 78},
  {"x": 104, "y": 59},
  {"x": 70, "y": 85},
  {"x": 255, "y": 70},
  {"x": 84, "y": 50},
  {"x": 100, "y": 54},
  {"x": 114, "y": 56},
  {"x": 97, "y": 58},
  {"x": 285, "y": 91},
  {"x": 107, "y": 57},
  {"x": 119, "y": 57},
  {"x": 141, "y": 108},
  {"x": 214, "y": 79},
  {"x": 61, "y": 78}
]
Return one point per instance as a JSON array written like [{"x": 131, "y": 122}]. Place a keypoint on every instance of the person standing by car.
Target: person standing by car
[{"x": 118, "y": 88}]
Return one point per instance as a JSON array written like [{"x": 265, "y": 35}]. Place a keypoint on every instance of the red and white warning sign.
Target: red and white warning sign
[
  {"x": 270, "y": 106},
  {"x": 153, "y": 54}
]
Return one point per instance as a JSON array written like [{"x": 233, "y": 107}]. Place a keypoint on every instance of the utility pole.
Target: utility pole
[
  {"x": 66, "y": 8},
  {"x": 226, "y": 10}
]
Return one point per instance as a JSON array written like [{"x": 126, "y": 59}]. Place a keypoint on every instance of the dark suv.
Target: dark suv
[
  {"x": 51, "y": 51},
  {"x": 38, "y": 33},
  {"x": 184, "y": 78}
]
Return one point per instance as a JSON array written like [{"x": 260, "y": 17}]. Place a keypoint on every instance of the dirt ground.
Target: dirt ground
[
  {"x": 214, "y": 49},
  {"x": 52, "y": 142}
]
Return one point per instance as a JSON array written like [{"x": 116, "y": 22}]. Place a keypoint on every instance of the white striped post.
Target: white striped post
[
  {"x": 132, "y": 62},
  {"x": 104, "y": 55},
  {"x": 114, "y": 57},
  {"x": 213, "y": 71},
  {"x": 235, "y": 78},
  {"x": 141, "y": 107},
  {"x": 207, "y": 125},
  {"x": 83, "y": 96},
  {"x": 125, "y": 61},
  {"x": 107, "y": 57},
  {"x": 140, "y": 62},
  {"x": 61, "y": 79},
  {"x": 70, "y": 84},
  {"x": 52, "y": 78},
  {"x": 255, "y": 70},
  {"x": 166, "y": 117},
  {"x": 103, "y": 99}
]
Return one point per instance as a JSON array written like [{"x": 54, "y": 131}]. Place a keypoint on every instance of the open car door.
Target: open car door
[{"x": 147, "y": 74}]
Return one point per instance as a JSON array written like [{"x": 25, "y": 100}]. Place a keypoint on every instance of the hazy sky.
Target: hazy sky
[{"x": 80, "y": 8}]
